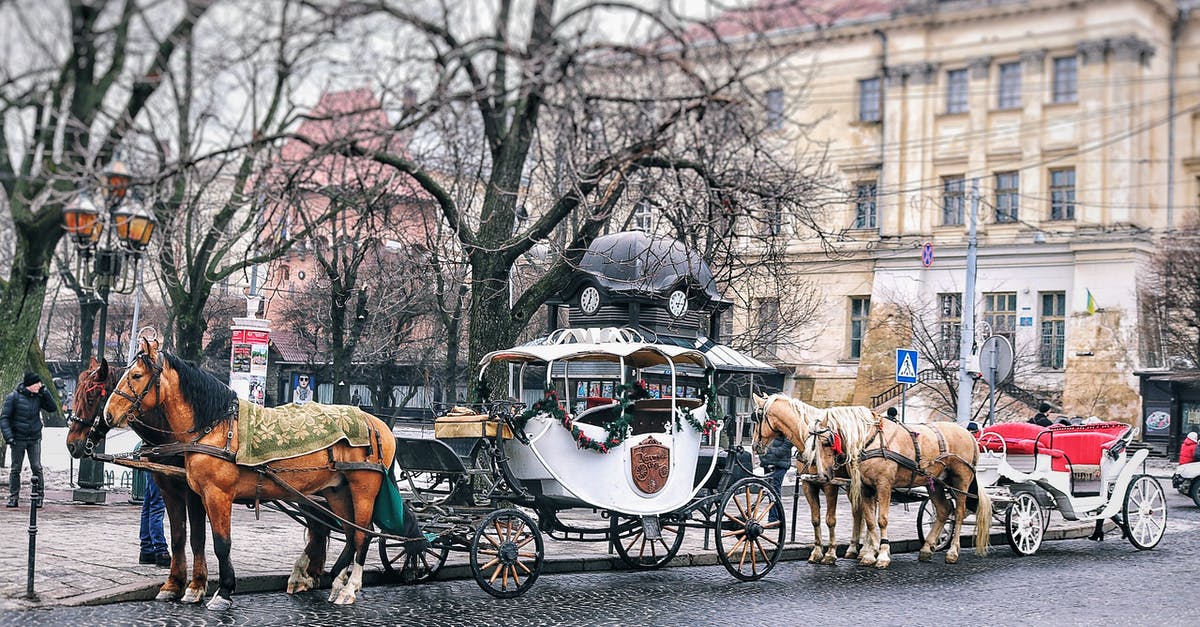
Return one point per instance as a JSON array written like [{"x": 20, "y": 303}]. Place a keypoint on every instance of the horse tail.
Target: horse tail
[{"x": 983, "y": 518}]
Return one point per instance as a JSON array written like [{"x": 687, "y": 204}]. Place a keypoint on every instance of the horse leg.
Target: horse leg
[
  {"x": 196, "y": 519},
  {"x": 960, "y": 511},
  {"x": 867, "y": 505},
  {"x": 813, "y": 497},
  {"x": 856, "y": 524},
  {"x": 218, "y": 504},
  {"x": 176, "y": 506},
  {"x": 883, "y": 498},
  {"x": 306, "y": 573},
  {"x": 831, "y": 522},
  {"x": 342, "y": 505},
  {"x": 364, "y": 487},
  {"x": 941, "y": 508}
]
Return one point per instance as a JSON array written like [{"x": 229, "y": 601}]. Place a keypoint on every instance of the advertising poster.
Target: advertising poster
[
  {"x": 248, "y": 359},
  {"x": 303, "y": 385}
]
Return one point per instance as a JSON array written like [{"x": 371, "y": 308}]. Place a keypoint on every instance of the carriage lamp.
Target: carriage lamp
[{"x": 115, "y": 180}]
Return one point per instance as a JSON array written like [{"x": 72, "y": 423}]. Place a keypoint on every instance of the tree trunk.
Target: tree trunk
[
  {"x": 492, "y": 325},
  {"x": 22, "y": 297},
  {"x": 190, "y": 327}
]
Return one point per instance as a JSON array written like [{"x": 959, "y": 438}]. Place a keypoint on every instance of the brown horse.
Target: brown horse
[
  {"x": 803, "y": 425},
  {"x": 884, "y": 455},
  {"x": 197, "y": 408},
  {"x": 182, "y": 504}
]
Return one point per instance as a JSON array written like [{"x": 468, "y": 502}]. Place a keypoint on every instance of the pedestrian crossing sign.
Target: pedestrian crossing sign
[{"x": 906, "y": 365}]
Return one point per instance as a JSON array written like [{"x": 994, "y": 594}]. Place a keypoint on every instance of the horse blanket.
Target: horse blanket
[{"x": 266, "y": 435}]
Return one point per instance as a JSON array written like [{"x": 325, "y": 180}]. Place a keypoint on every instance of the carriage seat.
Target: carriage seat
[
  {"x": 1081, "y": 451},
  {"x": 1020, "y": 438}
]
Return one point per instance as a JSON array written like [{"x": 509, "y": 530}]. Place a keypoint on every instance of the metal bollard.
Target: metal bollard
[{"x": 34, "y": 495}]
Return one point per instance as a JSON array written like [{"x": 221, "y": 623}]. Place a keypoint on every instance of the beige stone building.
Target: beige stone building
[{"x": 1078, "y": 121}]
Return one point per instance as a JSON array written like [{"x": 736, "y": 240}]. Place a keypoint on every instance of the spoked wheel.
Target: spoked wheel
[
  {"x": 926, "y": 516},
  {"x": 1145, "y": 512},
  {"x": 506, "y": 554},
  {"x": 747, "y": 544},
  {"x": 413, "y": 567},
  {"x": 1024, "y": 524},
  {"x": 629, "y": 538},
  {"x": 1194, "y": 492}
]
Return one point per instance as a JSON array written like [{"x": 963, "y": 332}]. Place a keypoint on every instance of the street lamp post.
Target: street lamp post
[{"x": 109, "y": 240}]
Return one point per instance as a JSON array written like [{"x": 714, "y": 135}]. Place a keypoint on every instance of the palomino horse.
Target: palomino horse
[
  {"x": 885, "y": 455},
  {"x": 201, "y": 413},
  {"x": 182, "y": 504},
  {"x": 780, "y": 416}
]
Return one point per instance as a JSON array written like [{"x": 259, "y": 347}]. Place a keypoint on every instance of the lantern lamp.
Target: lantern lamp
[
  {"x": 134, "y": 224},
  {"x": 81, "y": 218},
  {"x": 114, "y": 181}
]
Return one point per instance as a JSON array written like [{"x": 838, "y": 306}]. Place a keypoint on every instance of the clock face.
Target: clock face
[
  {"x": 677, "y": 304},
  {"x": 589, "y": 300}
]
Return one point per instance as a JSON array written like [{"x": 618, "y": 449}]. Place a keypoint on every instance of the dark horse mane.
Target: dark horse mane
[{"x": 208, "y": 397}]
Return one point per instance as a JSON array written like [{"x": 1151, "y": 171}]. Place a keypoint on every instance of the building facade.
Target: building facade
[{"x": 1078, "y": 124}]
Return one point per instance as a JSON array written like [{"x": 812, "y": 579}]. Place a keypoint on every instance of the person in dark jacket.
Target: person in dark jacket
[
  {"x": 1041, "y": 419},
  {"x": 21, "y": 424},
  {"x": 776, "y": 462}
]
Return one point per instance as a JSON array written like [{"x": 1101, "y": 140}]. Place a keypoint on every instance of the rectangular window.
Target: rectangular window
[
  {"x": 1062, "y": 194},
  {"x": 956, "y": 91},
  {"x": 1000, "y": 312},
  {"x": 869, "y": 100},
  {"x": 1066, "y": 79},
  {"x": 951, "y": 325},
  {"x": 772, "y": 220},
  {"x": 864, "y": 206},
  {"x": 643, "y": 216},
  {"x": 953, "y": 195},
  {"x": 1054, "y": 314},
  {"x": 1008, "y": 187},
  {"x": 1010, "y": 86},
  {"x": 860, "y": 310},
  {"x": 768, "y": 327},
  {"x": 774, "y": 109}
]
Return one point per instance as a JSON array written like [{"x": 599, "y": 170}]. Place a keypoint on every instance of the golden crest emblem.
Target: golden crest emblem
[{"x": 650, "y": 463}]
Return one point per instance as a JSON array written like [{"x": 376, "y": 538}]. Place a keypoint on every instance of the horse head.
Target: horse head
[
  {"x": 92, "y": 389},
  {"x": 139, "y": 390}
]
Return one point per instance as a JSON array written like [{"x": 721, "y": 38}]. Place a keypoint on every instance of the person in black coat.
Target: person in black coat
[
  {"x": 776, "y": 462},
  {"x": 21, "y": 424},
  {"x": 1041, "y": 419}
]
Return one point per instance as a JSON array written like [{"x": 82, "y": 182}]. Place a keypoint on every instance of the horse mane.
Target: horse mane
[{"x": 208, "y": 397}]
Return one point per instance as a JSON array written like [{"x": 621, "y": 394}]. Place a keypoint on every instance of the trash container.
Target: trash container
[{"x": 138, "y": 490}]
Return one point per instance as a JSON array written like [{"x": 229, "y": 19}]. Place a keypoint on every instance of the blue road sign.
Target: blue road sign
[
  {"x": 927, "y": 254},
  {"x": 906, "y": 365}
]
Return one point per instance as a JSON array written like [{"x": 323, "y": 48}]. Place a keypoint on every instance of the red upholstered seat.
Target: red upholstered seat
[
  {"x": 1083, "y": 448},
  {"x": 1019, "y": 437}
]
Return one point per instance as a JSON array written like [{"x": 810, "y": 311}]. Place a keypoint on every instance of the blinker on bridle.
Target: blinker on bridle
[{"x": 136, "y": 398}]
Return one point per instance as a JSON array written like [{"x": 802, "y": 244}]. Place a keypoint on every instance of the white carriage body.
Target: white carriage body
[{"x": 557, "y": 469}]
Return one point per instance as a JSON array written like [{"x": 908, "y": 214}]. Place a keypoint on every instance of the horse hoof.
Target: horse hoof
[
  {"x": 346, "y": 597},
  {"x": 881, "y": 564},
  {"x": 219, "y": 603},
  {"x": 193, "y": 595},
  {"x": 166, "y": 595},
  {"x": 830, "y": 558},
  {"x": 925, "y": 556},
  {"x": 300, "y": 584},
  {"x": 851, "y": 553},
  {"x": 951, "y": 559},
  {"x": 864, "y": 561}
]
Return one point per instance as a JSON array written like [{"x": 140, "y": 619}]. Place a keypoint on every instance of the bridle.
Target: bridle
[
  {"x": 814, "y": 440},
  {"x": 92, "y": 424},
  {"x": 135, "y": 397}
]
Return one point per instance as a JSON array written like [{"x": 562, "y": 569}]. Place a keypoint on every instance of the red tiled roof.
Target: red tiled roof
[{"x": 292, "y": 349}]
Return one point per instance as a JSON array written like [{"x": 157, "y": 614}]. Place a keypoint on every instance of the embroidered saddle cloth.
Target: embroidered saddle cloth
[{"x": 291, "y": 430}]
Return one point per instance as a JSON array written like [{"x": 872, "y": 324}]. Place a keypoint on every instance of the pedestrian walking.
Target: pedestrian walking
[
  {"x": 1188, "y": 450},
  {"x": 21, "y": 426},
  {"x": 776, "y": 462},
  {"x": 154, "y": 542}
]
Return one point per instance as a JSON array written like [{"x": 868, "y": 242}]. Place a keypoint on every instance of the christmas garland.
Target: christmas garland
[{"x": 712, "y": 407}]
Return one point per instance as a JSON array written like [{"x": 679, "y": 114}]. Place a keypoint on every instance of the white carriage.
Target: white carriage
[{"x": 1085, "y": 472}]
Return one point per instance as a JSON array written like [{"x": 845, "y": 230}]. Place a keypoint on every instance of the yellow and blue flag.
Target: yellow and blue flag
[{"x": 1091, "y": 303}]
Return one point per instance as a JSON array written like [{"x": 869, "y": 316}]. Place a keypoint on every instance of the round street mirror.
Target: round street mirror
[{"x": 995, "y": 359}]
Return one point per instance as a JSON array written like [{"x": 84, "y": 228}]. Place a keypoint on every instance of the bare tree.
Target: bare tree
[
  {"x": 1169, "y": 295},
  {"x": 528, "y": 109},
  {"x": 75, "y": 79}
]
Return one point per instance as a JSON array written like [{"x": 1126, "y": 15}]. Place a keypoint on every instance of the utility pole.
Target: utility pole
[{"x": 966, "y": 343}]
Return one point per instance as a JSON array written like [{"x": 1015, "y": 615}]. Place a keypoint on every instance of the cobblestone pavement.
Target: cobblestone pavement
[
  {"x": 1075, "y": 582},
  {"x": 87, "y": 554}
]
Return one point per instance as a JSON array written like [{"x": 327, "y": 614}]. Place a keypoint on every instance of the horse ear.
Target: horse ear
[
  {"x": 102, "y": 369},
  {"x": 92, "y": 364},
  {"x": 759, "y": 401},
  {"x": 152, "y": 347}
]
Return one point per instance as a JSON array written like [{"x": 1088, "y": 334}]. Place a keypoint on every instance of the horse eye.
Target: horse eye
[{"x": 135, "y": 376}]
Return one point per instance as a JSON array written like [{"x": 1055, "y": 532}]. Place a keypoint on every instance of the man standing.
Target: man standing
[
  {"x": 153, "y": 542},
  {"x": 776, "y": 462},
  {"x": 21, "y": 424}
]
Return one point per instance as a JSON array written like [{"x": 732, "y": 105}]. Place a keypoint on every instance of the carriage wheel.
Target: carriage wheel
[
  {"x": 1145, "y": 512},
  {"x": 926, "y": 516},
  {"x": 1024, "y": 524},
  {"x": 747, "y": 544},
  {"x": 628, "y": 535},
  {"x": 1195, "y": 491},
  {"x": 506, "y": 554},
  {"x": 413, "y": 568}
]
